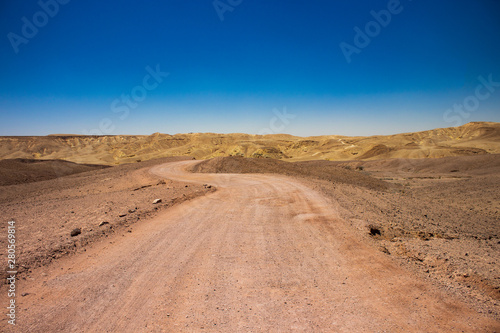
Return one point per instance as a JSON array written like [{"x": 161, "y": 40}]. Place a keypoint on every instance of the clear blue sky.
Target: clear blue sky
[{"x": 72, "y": 74}]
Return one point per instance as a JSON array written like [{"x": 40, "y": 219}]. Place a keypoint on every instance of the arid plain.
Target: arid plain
[{"x": 241, "y": 233}]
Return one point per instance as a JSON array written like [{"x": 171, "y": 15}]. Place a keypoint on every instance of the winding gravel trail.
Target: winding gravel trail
[{"x": 261, "y": 254}]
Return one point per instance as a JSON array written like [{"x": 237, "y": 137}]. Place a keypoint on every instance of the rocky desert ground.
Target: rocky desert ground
[{"x": 242, "y": 233}]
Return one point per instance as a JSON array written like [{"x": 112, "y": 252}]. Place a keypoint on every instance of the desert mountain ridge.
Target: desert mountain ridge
[{"x": 470, "y": 139}]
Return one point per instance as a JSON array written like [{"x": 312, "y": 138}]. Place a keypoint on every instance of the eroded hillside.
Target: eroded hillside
[{"x": 470, "y": 139}]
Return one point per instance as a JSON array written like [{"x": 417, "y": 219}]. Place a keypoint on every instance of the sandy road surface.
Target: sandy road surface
[{"x": 261, "y": 254}]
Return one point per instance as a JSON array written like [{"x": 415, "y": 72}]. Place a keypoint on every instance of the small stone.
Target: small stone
[
  {"x": 384, "y": 250},
  {"x": 103, "y": 223},
  {"x": 75, "y": 232},
  {"x": 156, "y": 201},
  {"x": 25, "y": 294}
]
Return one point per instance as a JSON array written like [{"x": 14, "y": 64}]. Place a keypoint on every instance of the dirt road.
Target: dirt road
[{"x": 262, "y": 254}]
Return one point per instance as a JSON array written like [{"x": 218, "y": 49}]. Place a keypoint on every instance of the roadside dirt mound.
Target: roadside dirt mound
[
  {"x": 19, "y": 171},
  {"x": 322, "y": 170}
]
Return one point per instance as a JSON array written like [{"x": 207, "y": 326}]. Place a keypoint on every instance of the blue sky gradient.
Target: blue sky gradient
[{"x": 229, "y": 75}]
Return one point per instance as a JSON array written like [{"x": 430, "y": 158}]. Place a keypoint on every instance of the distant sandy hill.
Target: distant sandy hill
[{"x": 470, "y": 139}]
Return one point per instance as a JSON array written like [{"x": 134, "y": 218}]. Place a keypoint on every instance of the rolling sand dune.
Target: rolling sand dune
[{"x": 469, "y": 139}]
